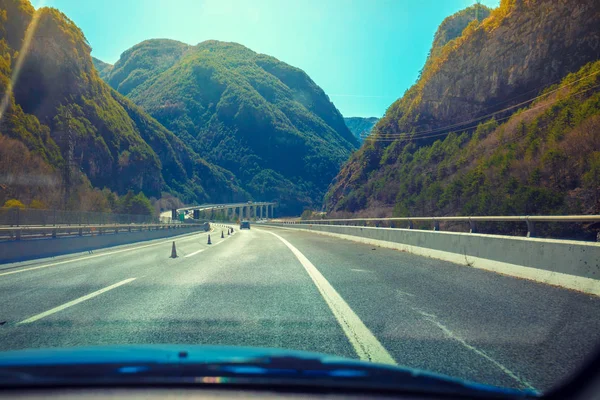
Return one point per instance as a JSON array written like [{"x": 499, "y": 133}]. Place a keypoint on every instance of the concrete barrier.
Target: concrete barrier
[
  {"x": 570, "y": 264},
  {"x": 20, "y": 250}
]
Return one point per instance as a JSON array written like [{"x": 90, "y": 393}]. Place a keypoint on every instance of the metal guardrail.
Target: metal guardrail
[
  {"x": 33, "y": 232},
  {"x": 32, "y": 216},
  {"x": 530, "y": 220}
]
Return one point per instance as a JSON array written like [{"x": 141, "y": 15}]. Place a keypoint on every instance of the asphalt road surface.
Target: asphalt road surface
[{"x": 274, "y": 287}]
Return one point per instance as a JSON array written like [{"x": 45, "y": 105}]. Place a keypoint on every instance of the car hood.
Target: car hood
[{"x": 196, "y": 364}]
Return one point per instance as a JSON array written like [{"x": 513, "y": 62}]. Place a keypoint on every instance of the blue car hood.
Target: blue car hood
[{"x": 108, "y": 363}]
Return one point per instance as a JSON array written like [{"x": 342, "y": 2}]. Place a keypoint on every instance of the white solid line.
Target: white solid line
[
  {"x": 578, "y": 283},
  {"x": 74, "y": 302},
  {"x": 433, "y": 319},
  {"x": 359, "y": 270},
  {"x": 363, "y": 341},
  {"x": 89, "y": 257}
]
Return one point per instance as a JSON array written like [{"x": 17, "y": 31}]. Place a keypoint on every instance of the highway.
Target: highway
[{"x": 274, "y": 287}]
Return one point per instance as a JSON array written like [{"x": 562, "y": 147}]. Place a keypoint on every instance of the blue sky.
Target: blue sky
[{"x": 363, "y": 53}]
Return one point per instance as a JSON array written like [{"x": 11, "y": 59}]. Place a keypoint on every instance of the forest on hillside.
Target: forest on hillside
[
  {"x": 536, "y": 152},
  {"x": 70, "y": 141},
  {"x": 265, "y": 121}
]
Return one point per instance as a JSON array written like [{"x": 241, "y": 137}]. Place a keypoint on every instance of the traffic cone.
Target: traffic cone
[
  {"x": 228, "y": 232},
  {"x": 173, "y": 251},
  {"x": 209, "y": 242},
  {"x": 222, "y": 235}
]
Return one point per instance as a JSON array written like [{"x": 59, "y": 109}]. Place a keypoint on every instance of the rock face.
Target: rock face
[
  {"x": 61, "y": 106},
  {"x": 535, "y": 45},
  {"x": 263, "y": 120},
  {"x": 453, "y": 27},
  {"x": 360, "y": 127},
  {"x": 521, "y": 48}
]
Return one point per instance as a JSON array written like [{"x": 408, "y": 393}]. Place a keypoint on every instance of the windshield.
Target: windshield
[{"x": 413, "y": 184}]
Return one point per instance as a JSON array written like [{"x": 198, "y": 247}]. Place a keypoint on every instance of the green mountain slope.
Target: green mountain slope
[
  {"x": 542, "y": 159},
  {"x": 263, "y": 120},
  {"x": 360, "y": 127},
  {"x": 142, "y": 62},
  {"x": 103, "y": 68},
  {"x": 61, "y": 110}
]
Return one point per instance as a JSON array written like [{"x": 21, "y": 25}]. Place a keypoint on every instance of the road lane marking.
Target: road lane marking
[
  {"x": 194, "y": 253},
  {"x": 560, "y": 279},
  {"x": 434, "y": 320},
  {"x": 359, "y": 270},
  {"x": 201, "y": 250},
  {"x": 365, "y": 344},
  {"x": 401, "y": 293},
  {"x": 212, "y": 245},
  {"x": 94, "y": 256},
  {"x": 74, "y": 302}
]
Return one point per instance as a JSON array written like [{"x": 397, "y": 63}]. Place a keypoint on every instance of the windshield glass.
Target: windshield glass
[{"x": 412, "y": 184}]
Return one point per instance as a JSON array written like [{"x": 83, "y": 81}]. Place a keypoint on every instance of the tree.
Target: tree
[
  {"x": 140, "y": 205},
  {"x": 591, "y": 179},
  {"x": 14, "y": 203},
  {"x": 38, "y": 204},
  {"x": 306, "y": 214}
]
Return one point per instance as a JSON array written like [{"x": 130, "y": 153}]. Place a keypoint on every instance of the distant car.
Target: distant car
[{"x": 245, "y": 225}]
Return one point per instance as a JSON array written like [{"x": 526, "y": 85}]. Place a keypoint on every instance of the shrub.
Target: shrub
[{"x": 14, "y": 203}]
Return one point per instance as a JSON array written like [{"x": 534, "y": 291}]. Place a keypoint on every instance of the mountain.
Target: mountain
[
  {"x": 71, "y": 120},
  {"x": 102, "y": 67},
  {"x": 453, "y": 27},
  {"x": 265, "y": 121},
  {"x": 468, "y": 138},
  {"x": 143, "y": 61},
  {"x": 360, "y": 127}
]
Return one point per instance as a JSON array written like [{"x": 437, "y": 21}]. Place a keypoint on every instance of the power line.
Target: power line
[
  {"x": 387, "y": 138},
  {"x": 415, "y": 135}
]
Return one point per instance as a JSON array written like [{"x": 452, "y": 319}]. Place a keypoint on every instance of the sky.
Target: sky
[{"x": 364, "y": 53}]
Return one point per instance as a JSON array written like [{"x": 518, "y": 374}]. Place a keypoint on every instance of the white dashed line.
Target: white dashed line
[
  {"x": 74, "y": 302},
  {"x": 194, "y": 253}
]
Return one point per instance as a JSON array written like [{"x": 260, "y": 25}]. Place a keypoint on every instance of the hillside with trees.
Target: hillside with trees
[
  {"x": 73, "y": 133},
  {"x": 265, "y": 121},
  {"x": 103, "y": 68},
  {"x": 505, "y": 119},
  {"x": 360, "y": 127}
]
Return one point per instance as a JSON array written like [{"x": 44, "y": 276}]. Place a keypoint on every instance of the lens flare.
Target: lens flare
[{"x": 22, "y": 55}]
